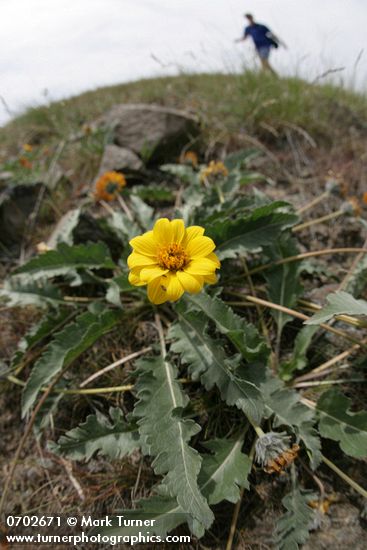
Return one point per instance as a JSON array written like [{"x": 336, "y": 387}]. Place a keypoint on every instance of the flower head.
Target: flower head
[
  {"x": 364, "y": 198},
  {"x": 25, "y": 163},
  {"x": 27, "y": 148},
  {"x": 213, "y": 171},
  {"x": 172, "y": 259},
  {"x": 190, "y": 158},
  {"x": 273, "y": 452},
  {"x": 352, "y": 206},
  {"x": 109, "y": 185}
]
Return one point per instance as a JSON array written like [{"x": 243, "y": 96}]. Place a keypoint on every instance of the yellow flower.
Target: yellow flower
[
  {"x": 213, "y": 171},
  {"x": 172, "y": 259},
  {"x": 109, "y": 185},
  {"x": 190, "y": 158},
  {"x": 27, "y": 148}
]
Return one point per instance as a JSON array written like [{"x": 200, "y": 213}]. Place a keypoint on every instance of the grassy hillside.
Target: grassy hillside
[{"x": 254, "y": 102}]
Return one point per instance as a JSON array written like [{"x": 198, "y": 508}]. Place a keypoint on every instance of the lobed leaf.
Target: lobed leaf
[
  {"x": 294, "y": 526},
  {"x": 260, "y": 228},
  {"x": 111, "y": 437},
  {"x": 208, "y": 362},
  {"x": 244, "y": 336},
  {"x": 68, "y": 258},
  {"x": 67, "y": 345},
  {"x": 20, "y": 291},
  {"x": 337, "y": 422},
  {"x": 338, "y": 303},
  {"x": 160, "y": 404}
]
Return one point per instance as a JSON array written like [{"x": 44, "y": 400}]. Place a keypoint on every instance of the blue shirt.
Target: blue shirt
[{"x": 259, "y": 34}]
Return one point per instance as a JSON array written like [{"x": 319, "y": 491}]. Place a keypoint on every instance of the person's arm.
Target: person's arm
[
  {"x": 245, "y": 35},
  {"x": 276, "y": 39}
]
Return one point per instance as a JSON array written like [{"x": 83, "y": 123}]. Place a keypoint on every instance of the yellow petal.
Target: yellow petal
[
  {"x": 145, "y": 244},
  {"x": 189, "y": 282},
  {"x": 191, "y": 233},
  {"x": 162, "y": 231},
  {"x": 214, "y": 259},
  {"x": 177, "y": 231},
  {"x": 200, "y": 247},
  {"x": 210, "y": 279},
  {"x": 134, "y": 279},
  {"x": 156, "y": 294},
  {"x": 151, "y": 272},
  {"x": 202, "y": 266},
  {"x": 174, "y": 287},
  {"x": 139, "y": 260}
]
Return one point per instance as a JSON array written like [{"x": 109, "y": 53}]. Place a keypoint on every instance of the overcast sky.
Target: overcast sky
[{"x": 68, "y": 46}]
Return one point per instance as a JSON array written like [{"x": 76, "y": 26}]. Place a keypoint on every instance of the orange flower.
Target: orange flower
[
  {"x": 364, "y": 198},
  {"x": 190, "y": 157},
  {"x": 25, "y": 163},
  {"x": 108, "y": 186},
  {"x": 213, "y": 171}
]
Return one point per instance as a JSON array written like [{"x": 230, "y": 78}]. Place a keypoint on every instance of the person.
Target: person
[{"x": 263, "y": 39}]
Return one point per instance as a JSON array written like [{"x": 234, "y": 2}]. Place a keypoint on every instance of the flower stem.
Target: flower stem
[
  {"x": 345, "y": 477},
  {"x": 312, "y": 203},
  {"x": 326, "y": 218}
]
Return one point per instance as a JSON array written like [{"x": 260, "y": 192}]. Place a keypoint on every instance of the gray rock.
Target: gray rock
[
  {"x": 156, "y": 133},
  {"x": 120, "y": 159}
]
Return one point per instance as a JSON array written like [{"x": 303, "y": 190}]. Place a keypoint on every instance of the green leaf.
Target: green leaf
[
  {"x": 111, "y": 437},
  {"x": 220, "y": 477},
  {"x": 207, "y": 361},
  {"x": 144, "y": 212},
  {"x": 224, "y": 471},
  {"x": 337, "y": 422},
  {"x": 63, "y": 232},
  {"x": 284, "y": 286},
  {"x": 116, "y": 286},
  {"x": 243, "y": 335},
  {"x": 67, "y": 345},
  {"x": 287, "y": 409},
  {"x": 298, "y": 360},
  {"x": 21, "y": 291},
  {"x": 165, "y": 435},
  {"x": 338, "y": 303},
  {"x": 163, "y": 513},
  {"x": 122, "y": 226},
  {"x": 358, "y": 279},
  {"x": 252, "y": 231},
  {"x": 294, "y": 526},
  {"x": 68, "y": 258},
  {"x": 38, "y": 332}
]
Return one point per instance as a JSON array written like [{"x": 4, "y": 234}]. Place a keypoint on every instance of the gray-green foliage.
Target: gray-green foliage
[
  {"x": 111, "y": 437},
  {"x": 294, "y": 526},
  {"x": 339, "y": 303},
  {"x": 337, "y": 422},
  {"x": 66, "y": 346},
  {"x": 160, "y": 403}
]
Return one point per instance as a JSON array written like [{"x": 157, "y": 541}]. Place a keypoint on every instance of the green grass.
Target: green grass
[{"x": 254, "y": 103}]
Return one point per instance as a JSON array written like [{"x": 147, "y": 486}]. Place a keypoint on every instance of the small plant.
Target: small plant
[{"x": 222, "y": 344}]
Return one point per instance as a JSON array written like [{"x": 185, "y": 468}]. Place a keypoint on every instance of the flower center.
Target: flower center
[
  {"x": 112, "y": 187},
  {"x": 172, "y": 257}
]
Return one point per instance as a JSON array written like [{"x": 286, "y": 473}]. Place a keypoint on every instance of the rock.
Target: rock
[
  {"x": 156, "y": 133},
  {"x": 119, "y": 159},
  {"x": 16, "y": 206}
]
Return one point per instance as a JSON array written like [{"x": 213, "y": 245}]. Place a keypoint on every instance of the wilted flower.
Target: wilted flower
[
  {"x": 190, "y": 157},
  {"x": 25, "y": 163},
  {"x": 213, "y": 171},
  {"x": 273, "y": 452},
  {"x": 352, "y": 206},
  {"x": 109, "y": 185},
  {"x": 172, "y": 259}
]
